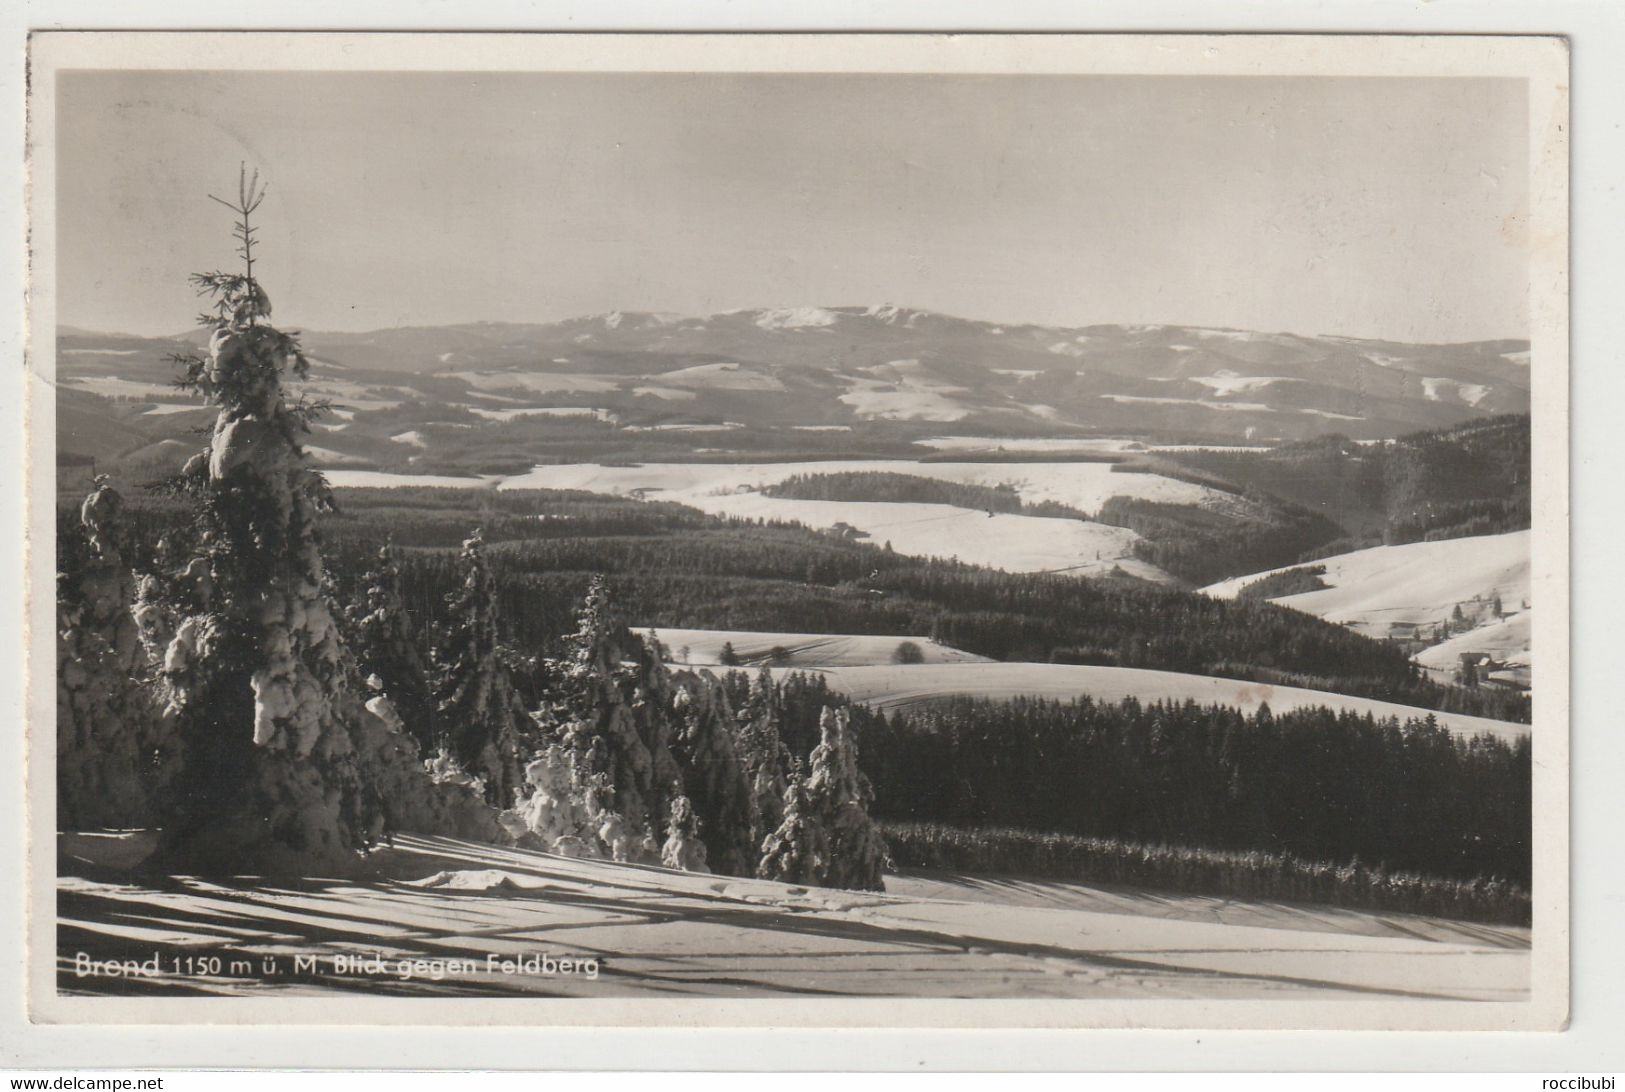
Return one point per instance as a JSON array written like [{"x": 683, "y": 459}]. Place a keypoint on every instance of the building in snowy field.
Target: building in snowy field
[{"x": 1483, "y": 669}]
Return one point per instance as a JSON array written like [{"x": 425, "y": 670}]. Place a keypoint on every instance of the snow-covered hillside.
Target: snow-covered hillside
[
  {"x": 1420, "y": 583},
  {"x": 447, "y": 918},
  {"x": 901, "y": 686},
  {"x": 704, "y": 646}
]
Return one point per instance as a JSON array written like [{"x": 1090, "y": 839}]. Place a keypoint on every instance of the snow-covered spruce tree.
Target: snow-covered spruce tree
[
  {"x": 613, "y": 707},
  {"x": 593, "y": 650},
  {"x": 479, "y": 712},
  {"x": 715, "y": 783},
  {"x": 766, "y": 759},
  {"x": 840, "y": 792},
  {"x": 284, "y": 769},
  {"x": 566, "y": 807},
  {"x": 684, "y": 847},
  {"x": 110, "y": 747},
  {"x": 387, "y": 646},
  {"x": 622, "y": 839},
  {"x": 836, "y": 798},
  {"x": 797, "y": 851},
  {"x": 556, "y": 813}
]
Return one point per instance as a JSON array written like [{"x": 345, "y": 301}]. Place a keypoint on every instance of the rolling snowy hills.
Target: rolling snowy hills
[
  {"x": 905, "y": 686},
  {"x": 865, "y": 668}
]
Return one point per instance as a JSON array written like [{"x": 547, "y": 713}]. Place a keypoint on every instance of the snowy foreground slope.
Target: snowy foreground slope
[{"x": 444, "y": 917}]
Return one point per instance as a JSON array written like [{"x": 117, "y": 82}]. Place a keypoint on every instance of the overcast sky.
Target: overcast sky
[{"x": 1367, "y": 207}]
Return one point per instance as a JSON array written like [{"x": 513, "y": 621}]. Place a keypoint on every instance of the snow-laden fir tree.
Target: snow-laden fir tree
[
  {"x": 797, "y": 851},
  {"x": 765, "y": 757},
  {"x": 409, "y": 793},
  {"x": 387, "y": 645},
  {"x": 479, "y": 713},
  {"x": 622, "y": 839},
  {"x": 715, "y": 783},
  {"x": 253, "y": 671},
  {"x": 556, "y": 812},
  {"x": 594, "y": 649},
  {"x": 284, "y": 769},
  {"x": 684, "y": 848},
  {"x": 613, "y": 707},
  {"x": 843, "y": 795},
  {"x": 111, "y": 749},
  {"x": 827, "y": 837},
  {"x": 567, "y": 808}
]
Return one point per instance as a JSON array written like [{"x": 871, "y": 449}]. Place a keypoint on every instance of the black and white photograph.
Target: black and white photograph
[{"x": 928, "y": 530}]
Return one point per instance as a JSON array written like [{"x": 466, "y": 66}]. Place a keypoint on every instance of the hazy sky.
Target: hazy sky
[{"x": 1369, "y": 207}]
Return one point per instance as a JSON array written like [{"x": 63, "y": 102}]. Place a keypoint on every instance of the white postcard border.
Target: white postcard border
[{"x": 1542, "y": 61}]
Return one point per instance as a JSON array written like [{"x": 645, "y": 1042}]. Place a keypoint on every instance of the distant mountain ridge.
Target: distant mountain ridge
[
  {"x": 889, "y": 372},
  {"x": 941, "y": 368}
]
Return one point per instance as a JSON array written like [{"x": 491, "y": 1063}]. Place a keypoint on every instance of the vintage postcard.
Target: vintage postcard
[{"x": 799, "y": 530}]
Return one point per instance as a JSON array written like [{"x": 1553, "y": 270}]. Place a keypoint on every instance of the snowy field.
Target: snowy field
[
  {"x": 165, "y": 408},
  {"x": 704, "y": 647},
  {"x": 1420, "y": 582},
  {"x": 1085, "y": 486},
  {"x": 1053, "y": 444},
  {"x": 1253, "y": 448},
  {"x": 901, "y": 686},
  {"x": 721, "y": 377},
  {"x": 904, "y": 390},
  {"x": 112, "y": 386},
  {"x": 326, "y": 456},
  {"x": 1014, "y": 543},
  {"x": 442, "y": 916},
  {"x": 535, "y": 382},
  {"x": 540, "y": 411},
  {"x": 1018, "y": 544},
  {"x": 384, "y": 479}
]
